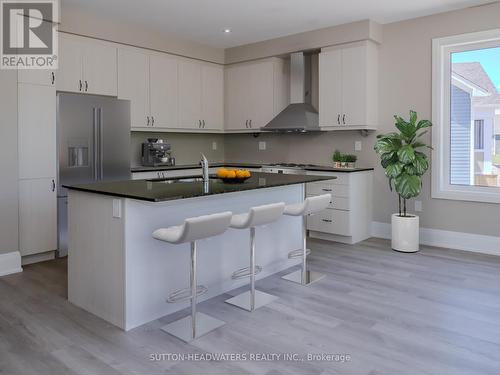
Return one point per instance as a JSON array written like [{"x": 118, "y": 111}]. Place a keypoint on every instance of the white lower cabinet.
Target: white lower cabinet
[
  {"x": 37, "y": 215},
  {"x": 348, "y": 218}
]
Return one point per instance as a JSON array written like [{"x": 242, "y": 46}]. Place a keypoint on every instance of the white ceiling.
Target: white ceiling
[{"x": 256, "y": 20}]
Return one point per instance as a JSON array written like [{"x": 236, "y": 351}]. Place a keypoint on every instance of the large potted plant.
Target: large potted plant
[{"x": 404, "y": 164}]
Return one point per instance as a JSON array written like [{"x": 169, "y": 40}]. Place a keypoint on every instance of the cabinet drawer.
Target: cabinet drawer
[
  {"x": 323, "y": 188},
  {"x": 339, "y": 203},
  {"x": 330, "y": 221}
]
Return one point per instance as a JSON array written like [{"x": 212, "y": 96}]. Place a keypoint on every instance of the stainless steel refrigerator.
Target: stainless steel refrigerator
[{"x": 93, "y": 135}]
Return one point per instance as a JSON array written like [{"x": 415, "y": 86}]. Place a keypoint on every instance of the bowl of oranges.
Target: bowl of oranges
[{"x": 233, "y": 175}]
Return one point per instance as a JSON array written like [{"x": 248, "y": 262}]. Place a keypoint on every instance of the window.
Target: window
[
  {"x": 479, "y": 135},
  {"x": 466, "y": 117}
]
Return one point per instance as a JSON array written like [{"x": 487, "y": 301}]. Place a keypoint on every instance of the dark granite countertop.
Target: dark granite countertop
[
  {"x": 158, "y": 190},
  {"x": 245, "y": 165}
]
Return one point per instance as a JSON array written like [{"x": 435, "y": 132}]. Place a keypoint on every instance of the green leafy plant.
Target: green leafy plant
[
  {"x": 401, "y": 158},
  {"x": 337, "y": 156},
  {"x": 350, "y": 158}
]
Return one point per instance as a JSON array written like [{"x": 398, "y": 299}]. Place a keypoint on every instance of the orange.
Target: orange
[
  {"x": 240, "y": 173},
  {"x": 222, "y": 173},
  {"x": 231, "y": 174},
  {"x": 247, "y": 173}
]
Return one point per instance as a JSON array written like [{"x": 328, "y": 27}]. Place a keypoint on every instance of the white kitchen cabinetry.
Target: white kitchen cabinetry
[
  {"x": 255, "y": 93},
  {"x": 86, "y": 66},
  {"x": 348, "y": 218},
  {"x": 348, "y": 87},
  {"x": 201, "y": 95},
  {"x": 133, "y": 85},
  {"x": 37, "y": 168},
  {"x": 37, "y": 216},
  {"x": 37, "y": 131},
  {"x": 149, "y": 81},
  {"x": 163, "y": 86}
]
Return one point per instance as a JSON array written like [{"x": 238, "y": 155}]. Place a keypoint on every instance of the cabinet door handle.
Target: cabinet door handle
[
  {"x": 326, "y": 189},
  {"x": 81, "y": 85},
  {"x": 338, "y": 119},
  {"x": 199, "y": 124},
  {"x": 53, "y": 77},
  {"x": 158, "y": 174},
  {"x": 246, "y": 124},
  {"x": 203, "y": 124},
  {"x": 53, "y": 185},
  {"x": 147, "y": 124},
  {"x": 86, "y": 86},
  {"x": 152, "y": 121},
  {"x": 327, "y": 220},
  {"x": 250, "y": 123},
  {"x": 343, "y": 119}
]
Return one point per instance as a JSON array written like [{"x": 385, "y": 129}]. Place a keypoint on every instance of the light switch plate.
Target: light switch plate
[
  {"x": 214, "y": 145},
  {"x": 357, "y": 146},
  {"x": 117, "y": 208},
  {"x": 418, "y": 206},
  {"x": 262, "y": 145}
]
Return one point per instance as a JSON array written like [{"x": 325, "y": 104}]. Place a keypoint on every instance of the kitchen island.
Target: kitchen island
[{"x": 117, "y": 271}]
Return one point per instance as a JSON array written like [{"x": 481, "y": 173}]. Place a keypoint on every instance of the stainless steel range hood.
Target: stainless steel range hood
[{"x": 299, "y": 115}]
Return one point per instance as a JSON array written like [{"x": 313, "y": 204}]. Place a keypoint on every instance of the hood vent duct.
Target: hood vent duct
[{"x": 299, "y": 116}]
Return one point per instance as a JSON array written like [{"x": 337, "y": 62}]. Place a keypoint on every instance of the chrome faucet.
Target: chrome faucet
[{"x": 204, "y": 166}]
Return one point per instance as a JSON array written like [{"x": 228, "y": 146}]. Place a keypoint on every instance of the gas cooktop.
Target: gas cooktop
[{"x": 290, "y": 165}]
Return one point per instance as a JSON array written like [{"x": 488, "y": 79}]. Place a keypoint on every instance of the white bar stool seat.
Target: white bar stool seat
[
  {"x": 193, "y": 229},
  {"x": 257, "y": 216},
  {"x": 309, "y": 206}
]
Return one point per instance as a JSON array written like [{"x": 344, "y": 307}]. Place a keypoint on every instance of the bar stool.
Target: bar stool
[
  {"x": 193, "y": 229},
  {"x": 258, "y": 216},
  {"x": 309, "y": 206}
]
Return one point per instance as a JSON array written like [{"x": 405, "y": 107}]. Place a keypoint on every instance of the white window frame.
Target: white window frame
[{"x": 441, "y": 87}]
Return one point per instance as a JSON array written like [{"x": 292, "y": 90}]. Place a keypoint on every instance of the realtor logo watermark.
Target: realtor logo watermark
[{"x": 28, "y": 40}]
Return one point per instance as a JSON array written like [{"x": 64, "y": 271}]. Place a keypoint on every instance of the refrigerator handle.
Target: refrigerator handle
[
  {"x": 96, "y": 143},
  {"x": 101, "y": 144}
]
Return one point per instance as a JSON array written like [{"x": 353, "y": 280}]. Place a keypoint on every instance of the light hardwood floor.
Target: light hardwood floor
[{"x": 434, "y": 312}]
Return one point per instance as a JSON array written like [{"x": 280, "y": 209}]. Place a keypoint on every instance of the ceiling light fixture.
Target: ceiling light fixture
[{"x": 227, "y": 31}]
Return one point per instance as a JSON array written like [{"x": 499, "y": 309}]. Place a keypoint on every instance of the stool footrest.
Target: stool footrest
[
  {"x": 298, "y": 253},
  {"x": 245, "y": 272},
  {"x": 182, "y": 295}
]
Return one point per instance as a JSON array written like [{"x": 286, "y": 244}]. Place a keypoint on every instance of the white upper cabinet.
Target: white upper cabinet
[
  {"x": 133, "y": 85},
  {"x": 255, "y": 93},
  {"x": 163, "y": 88},
  {"x": 69, "y": 75},
  {"x": 348, "y": 86},
  {"x": 100, "y": 68},
  {"x": 201, "y": 96},
  {"x": 86, "y": 66},
  {"x": 150, "y": 82},
  {"x": 212, "y": 96},
  {"x": 37, "y": 131},
  {"x": 190, "y": 110}
]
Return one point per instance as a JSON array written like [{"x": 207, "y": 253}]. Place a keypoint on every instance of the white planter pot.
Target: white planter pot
[{"x": 405, "y": 233}]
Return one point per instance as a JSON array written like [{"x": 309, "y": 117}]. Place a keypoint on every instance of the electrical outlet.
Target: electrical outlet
[
  {"x": 214, "y": 145},
  {"x": 357, "y": 146},
  {"x": 262, "y": 145},
  {"x": 418, "y": 206}
]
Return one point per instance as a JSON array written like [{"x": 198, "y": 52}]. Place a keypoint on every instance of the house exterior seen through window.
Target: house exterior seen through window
[{"x": 475, "y": 118}]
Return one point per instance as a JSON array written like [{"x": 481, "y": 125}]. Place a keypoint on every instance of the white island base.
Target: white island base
[{"x": 117, "y": 271}]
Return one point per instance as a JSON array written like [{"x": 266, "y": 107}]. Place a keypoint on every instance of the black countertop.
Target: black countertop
[
  {"x": 158, "y": 190},
  {"x": 320, "y": 168}
]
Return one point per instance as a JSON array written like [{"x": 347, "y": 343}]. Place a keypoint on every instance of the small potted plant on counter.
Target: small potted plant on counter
[
  {"x": 343, "y": 160},
  {"x": 404, "y": 164}
]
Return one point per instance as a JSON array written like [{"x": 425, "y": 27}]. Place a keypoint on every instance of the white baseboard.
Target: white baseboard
[
  {"x": 444, "y": 238},
  {"x": 10, "y": 263}
]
